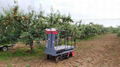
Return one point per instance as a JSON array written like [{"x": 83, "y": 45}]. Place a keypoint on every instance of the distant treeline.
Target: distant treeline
[{"x": 114, "y": 30}]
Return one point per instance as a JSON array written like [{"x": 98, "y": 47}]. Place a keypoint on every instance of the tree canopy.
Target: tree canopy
[{"x": 27, "y": 27}]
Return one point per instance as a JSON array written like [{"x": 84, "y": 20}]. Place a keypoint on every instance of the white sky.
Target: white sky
[{"x": 106, "y": 12}]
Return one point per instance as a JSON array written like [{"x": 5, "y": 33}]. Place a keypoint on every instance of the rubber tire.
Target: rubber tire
[
  {"x": 70, "y": 54},
  {"x": 48, "y": 57},
  {"x": 67, "y": 56},
  {"x": 5, "y": 49},
  {"x": 58, "y": 58}
]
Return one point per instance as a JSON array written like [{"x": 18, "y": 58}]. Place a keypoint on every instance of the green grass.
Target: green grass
[
  {"x": 27, "y": 65},
  {"x": 9, "y": 65},
  {"x": 22, "y": 53}
]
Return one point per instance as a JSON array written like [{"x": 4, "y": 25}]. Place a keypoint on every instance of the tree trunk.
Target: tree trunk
[{"x": 31, "y": 46}]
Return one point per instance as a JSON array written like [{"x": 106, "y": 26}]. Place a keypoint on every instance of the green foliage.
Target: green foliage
[
  {"x": 112, "y": 29},
  {"x": 118, "y": 32},
  {"x": 89, "y": 30},
  {"x": 9, "y": 26}
]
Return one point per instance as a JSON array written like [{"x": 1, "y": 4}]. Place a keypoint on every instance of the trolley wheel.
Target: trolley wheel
[
  {"x": 5, "y": 49},
  {"x": 58, "y": 58},
  {"x": 70, "y": 54},
  {"x": 67, "y": 56},
  {"x": 48, "y": 57}
]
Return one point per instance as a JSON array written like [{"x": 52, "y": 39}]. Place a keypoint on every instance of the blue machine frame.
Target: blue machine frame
[{"x": 53, "y": 50}]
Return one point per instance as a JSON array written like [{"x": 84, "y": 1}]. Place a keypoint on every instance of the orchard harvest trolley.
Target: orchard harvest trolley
[{"x": 59, "y": 44}]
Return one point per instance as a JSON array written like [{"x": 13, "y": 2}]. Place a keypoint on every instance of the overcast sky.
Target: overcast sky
[{"x": 106, "y": 12}]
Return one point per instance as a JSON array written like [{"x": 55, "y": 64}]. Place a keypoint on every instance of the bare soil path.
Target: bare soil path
[{"x": 99, "y": 52}]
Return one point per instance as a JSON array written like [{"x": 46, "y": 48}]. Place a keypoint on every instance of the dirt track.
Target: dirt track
[{"x": 101, "y": 52}]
